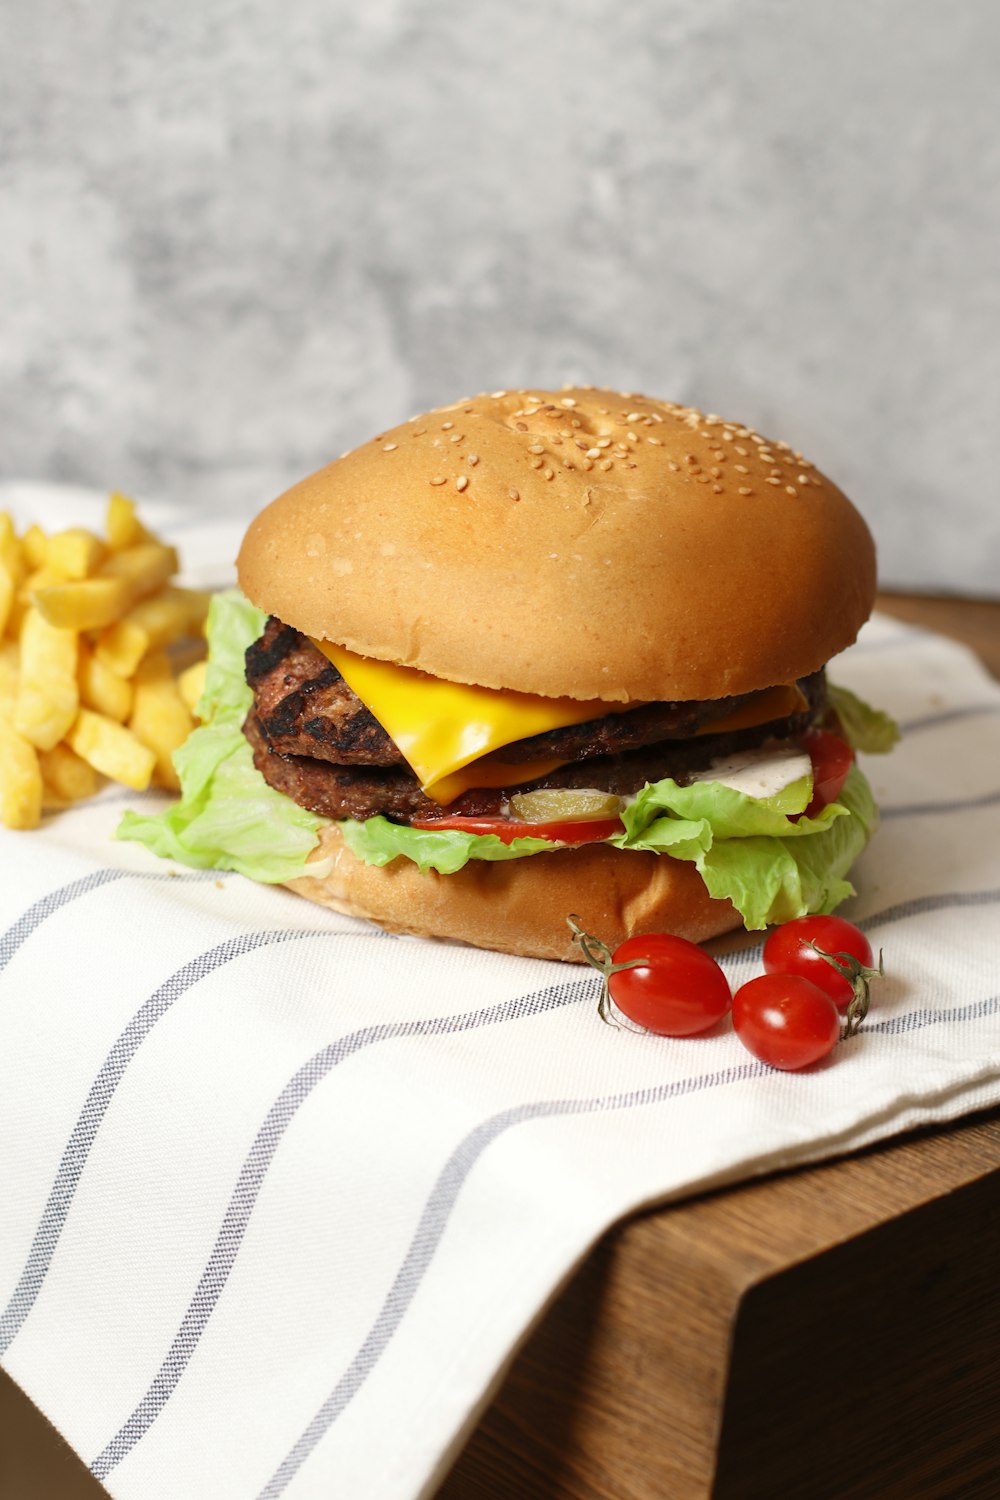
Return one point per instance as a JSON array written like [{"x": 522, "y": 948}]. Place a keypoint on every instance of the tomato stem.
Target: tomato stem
[
  {"x": 600, "y": 957},
  {"x": 859, "y": 976}
]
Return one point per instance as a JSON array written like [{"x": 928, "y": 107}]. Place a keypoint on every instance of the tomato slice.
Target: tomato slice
[
  {"x": 580, "y": 831},
  {"x": 831, "y": 758}
]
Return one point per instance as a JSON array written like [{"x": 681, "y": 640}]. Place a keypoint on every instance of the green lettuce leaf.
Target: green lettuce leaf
[
  {"x": 377, "y": 841},
  {"x": 870, "y": 730},
  {"x": 228, "y": 818}
]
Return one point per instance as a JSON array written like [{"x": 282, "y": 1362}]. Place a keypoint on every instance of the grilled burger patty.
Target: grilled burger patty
[{"x": 314, "y": 740}]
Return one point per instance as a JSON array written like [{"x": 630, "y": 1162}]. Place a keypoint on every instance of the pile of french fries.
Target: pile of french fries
[{"x": 93, "y": 644}]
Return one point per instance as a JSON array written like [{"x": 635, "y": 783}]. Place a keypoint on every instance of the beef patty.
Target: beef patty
[{"x": 315, "y": 741}]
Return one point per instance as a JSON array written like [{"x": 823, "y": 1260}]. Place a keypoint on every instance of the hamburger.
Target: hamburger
[{"x": 536, "y": 653}]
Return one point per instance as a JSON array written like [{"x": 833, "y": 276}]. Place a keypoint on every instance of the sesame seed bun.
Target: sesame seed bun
[
  {"x": 520, "y": 906},
  {"x": 579, "y": 543}
]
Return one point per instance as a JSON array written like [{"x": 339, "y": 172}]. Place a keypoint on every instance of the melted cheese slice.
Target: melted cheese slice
[
  {"x": 774, "y": 703},
  {"x": 441, "y": 727}
]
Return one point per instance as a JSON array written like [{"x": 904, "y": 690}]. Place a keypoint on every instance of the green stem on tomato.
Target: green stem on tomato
[
  {"x": 859, "y": 977},
  {"x": 599, "y": 956}
]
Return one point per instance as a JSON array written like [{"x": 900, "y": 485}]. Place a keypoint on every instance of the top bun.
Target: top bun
[{"x": 577, "y": 543}]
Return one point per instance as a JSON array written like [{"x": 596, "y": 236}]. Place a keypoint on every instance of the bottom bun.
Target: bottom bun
[{"x": 521, "y": 905}]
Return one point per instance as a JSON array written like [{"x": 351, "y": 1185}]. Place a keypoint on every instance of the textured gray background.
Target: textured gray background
[{"x": 238, "y": 236}]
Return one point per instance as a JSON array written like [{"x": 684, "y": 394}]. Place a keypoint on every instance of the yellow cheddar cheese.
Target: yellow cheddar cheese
[{"x": 442, "y": 727}]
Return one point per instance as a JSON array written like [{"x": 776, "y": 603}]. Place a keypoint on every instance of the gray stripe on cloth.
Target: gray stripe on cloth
[
  {"x": 934, "y": 809},
  {"x": 46, "y": 905},
  {"x": 437, "y": 1213},
  {"x": 261, "y": 1154},
  {"x": 101, "y": 1092},
  {"x": 949, "y": 716}
]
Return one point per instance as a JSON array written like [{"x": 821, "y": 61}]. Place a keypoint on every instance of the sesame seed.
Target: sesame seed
[
  {"x": 657, "y": 441},
  {"x": 462, "y": 482},
  {"x": 497, "y": 395},
  {"x": 803, "y": 479},
  {"x": 593, "y": 452},
  {"x": 439, "y": 479},
  {"x": 587, "y": 463},
  {"x": 521, "y": 426},
  {"x": 717, "y": 488},
  {"x": 745, "y": 489},
  {"x": 446, "y": 425},
  {"x": 388, "y": 447},
  {"x": 728, "y": 436},
  {"x": 690, "y": 458},
  {"x": 549, "y": 474},
  {"x": 633, "y": 437},
  {"x": 567, "y": 401},
  {"x": 632, "y": 416},
  {"x": 457, "y": 437},
  {"x": 605, "y": 464},
  {"x": 741, "y": 468},
  {"x": 514, "y": 494},
  {"x": 755, "y": 437},
  {"x": 536, "y": 463},
  {"x": 473, "y": 459},
  {"x": 719, "y": 454},
  {"x": 771, "y": 480},
  {"x": 556, "y": 442},
  {"x": 419, "y": 431},
  {"x": 676, "y": 467},
  {"x": 536, "y": 448},
  {"x": 603, "y": 443},
  {"x": 790, "y": 489},
  {"x": 741, "y": 451},
  {"x": 716, "y": 473}
]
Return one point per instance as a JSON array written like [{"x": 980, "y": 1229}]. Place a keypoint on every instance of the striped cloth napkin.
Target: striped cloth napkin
[{"x": 282, "y": 1193}]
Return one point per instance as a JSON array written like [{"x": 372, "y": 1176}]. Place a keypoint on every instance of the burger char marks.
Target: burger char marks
[{"x": 305, "y": 708}]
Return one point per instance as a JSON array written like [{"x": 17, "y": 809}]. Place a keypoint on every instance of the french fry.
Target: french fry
[
  {"x": 75, "y": 553},
  {"x": 168, "y": 616},
  {"x": 36, "y": 546},
  {"x": 112, "y": 749},
  {"x": 47, "y": 695},
  {"x": 8, "y": 679},
  {"x": 102, "y": 689},
  {"x": 160, "y": 717},
  {"x": 66, "y": 778},
  {"x": 20, "y": 780},
  {"x": 96, "y": 602},
  {"x": 74, "y": 708},
  {"x": 191, "y": 684},
  {"x": 11, "y": 568},
  {"x": 123, "y": 525}
]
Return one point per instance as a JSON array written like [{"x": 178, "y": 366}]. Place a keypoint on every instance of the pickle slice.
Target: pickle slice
[{"x": 564, "y": 804}]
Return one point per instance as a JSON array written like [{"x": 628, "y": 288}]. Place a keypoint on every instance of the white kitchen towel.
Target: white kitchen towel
[{"x": 279, "y": 1194}]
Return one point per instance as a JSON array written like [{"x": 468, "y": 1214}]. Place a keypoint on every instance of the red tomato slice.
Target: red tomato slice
[
  {"x": 831, "y": 758},
  {"x": 582, "y": 831}
]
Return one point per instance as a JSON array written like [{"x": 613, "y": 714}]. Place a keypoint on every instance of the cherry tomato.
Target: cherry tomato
[
  {"x": 678, "y": 990},
  {"x": 788, "y": 950},
  {"x": 831, "y": 759},
  {"x": 579, "y": 831},
  {"x": 785, "y": 1020}
]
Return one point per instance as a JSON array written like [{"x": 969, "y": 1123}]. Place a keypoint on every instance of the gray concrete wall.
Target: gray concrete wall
[{"x": 237, "y": 236}]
